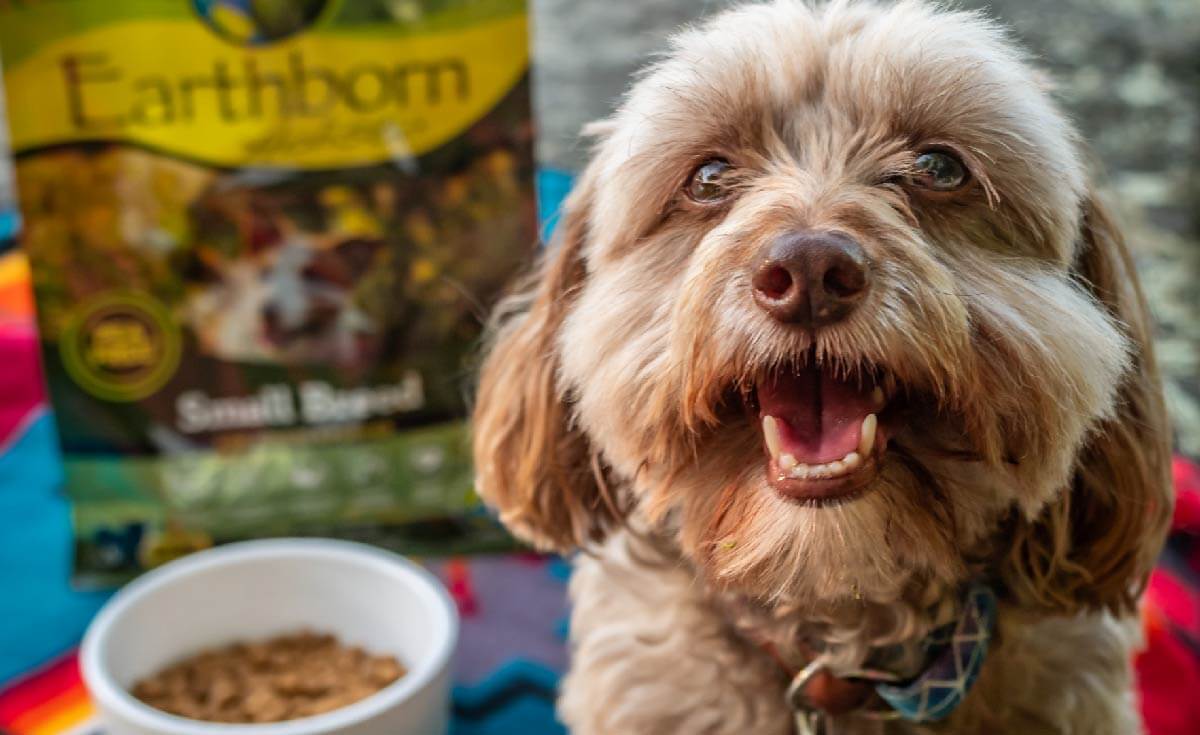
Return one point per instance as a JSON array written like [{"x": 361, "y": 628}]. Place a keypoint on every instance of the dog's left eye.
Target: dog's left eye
[
  {"x": 709, "y": 182},
  {"x": 939, "y": 171}
]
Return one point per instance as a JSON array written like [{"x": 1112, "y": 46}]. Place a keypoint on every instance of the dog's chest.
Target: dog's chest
[{"x": 848, "y": 637}]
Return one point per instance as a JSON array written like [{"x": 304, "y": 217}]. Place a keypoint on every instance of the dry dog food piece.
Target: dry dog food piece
[{"x": 282, "y": 678}]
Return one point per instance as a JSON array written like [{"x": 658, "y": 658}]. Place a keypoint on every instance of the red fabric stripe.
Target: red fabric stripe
[
  {"x": 1177, "y": 602},
  {"x": 56, "y": 715},
  {"x": 20, "y": 380},
  {"x": 1168, "y": 677},
  {"x": 1187, "y": 496},
  {"x": 61, "y": 676}
]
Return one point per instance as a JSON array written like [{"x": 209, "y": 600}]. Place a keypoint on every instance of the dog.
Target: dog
[
  {"x": 290, "y": 300},
  {"x": 839, "y": 372}
]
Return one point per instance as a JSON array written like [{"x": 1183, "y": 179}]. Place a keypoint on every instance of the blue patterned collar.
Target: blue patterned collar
[{"x": 954, "y": 654}]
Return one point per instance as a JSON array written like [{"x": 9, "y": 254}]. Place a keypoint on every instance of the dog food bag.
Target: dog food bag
[{"x": 264, "y": 234}]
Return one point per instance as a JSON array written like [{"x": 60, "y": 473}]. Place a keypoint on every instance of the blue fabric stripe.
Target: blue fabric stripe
[
  {"x": 10, "y": 221},
  {"x": 552, "y": 188},
  {"x": 518, "y": 698},
  {"x": 43, "y": 616}
]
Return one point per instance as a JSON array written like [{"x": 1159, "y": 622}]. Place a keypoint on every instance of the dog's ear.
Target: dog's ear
[
  {"x": 531, "y": 462},
  {"x": 1094, "y": 547}
]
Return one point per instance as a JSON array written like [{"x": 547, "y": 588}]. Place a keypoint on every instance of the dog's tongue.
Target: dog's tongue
[{"x": 819, "y": 413}]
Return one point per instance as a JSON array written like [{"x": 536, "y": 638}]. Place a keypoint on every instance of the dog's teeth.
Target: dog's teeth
[
  {"x": 866, "y": 441},
  {"x": 819, "y": 471},
  {"x": 790, "y": 467},
  {"x": 770, "y": 430},
  {"x": 877, "y": 397}
]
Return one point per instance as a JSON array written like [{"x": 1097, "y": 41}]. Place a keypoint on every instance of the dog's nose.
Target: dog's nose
[{"x": 811, "y": 278}]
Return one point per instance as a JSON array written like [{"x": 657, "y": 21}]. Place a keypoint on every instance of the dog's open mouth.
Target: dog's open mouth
[{"x": 822, "y": 430}]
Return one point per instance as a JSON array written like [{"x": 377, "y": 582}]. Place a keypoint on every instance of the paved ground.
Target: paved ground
[{"x": 1128, "y": 72}]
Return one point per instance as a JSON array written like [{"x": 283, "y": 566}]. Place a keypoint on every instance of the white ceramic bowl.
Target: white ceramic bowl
[{"x": 253, "y": 590}]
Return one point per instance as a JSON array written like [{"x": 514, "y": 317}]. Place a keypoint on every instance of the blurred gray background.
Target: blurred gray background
[{"x": 1128, "y": 72}]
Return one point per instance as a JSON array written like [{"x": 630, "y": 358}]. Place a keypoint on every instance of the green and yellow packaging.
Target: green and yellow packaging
[{"x": 263, "y": 235}]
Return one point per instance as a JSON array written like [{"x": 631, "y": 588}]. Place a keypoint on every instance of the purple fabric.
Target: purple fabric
[{"x": 518, "y": 603}]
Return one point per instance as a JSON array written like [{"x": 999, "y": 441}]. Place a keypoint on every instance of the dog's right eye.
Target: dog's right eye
[
  {"x": 708, "y": 183},
  {"x": 939, "y": 170}
]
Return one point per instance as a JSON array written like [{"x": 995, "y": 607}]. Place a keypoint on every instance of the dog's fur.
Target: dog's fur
[{"x": 1034, "y": 454}]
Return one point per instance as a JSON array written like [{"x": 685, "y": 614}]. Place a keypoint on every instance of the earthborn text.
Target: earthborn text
[{"x": 236, "y": 92}]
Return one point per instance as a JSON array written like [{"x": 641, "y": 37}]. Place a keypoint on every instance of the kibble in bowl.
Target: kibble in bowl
[
  {"x": 281, "y": 637},
  {"x": 282, "y": 678}
]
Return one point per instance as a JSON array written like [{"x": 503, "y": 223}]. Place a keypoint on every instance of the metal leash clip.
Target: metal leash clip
[
  {"x": 812, "y": 723},
  {"x": 809, "y": 720}
]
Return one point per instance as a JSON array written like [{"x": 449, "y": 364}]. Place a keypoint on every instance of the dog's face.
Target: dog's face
[
  {"x": 832, "y": 306},
  {"x": 291, "y": 303}
]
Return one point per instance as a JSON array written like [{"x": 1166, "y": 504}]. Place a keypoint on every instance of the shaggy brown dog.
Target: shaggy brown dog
[{"x": 833, "y": 328}]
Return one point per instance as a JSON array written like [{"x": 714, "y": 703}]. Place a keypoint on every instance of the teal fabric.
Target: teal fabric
[
  {"x": 552, "y": 188},
  {"x": 518, "y": 698},
  {"x": 42, "y": 615},
  {"x": 9, "y": 222}
]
